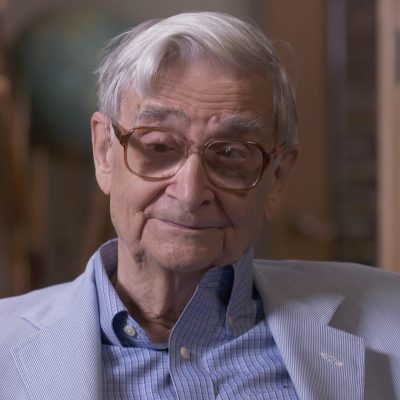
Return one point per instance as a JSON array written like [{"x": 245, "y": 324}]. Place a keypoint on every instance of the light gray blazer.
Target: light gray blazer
[{"x": 337, "y": 327}]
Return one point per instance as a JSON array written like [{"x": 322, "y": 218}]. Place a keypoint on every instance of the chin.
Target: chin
[{"x": 185, "y": 259}]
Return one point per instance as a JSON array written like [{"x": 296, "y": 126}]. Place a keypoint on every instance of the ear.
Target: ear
[
  {"x": 279, "y": 181},
  {"x": 101, "y": 147}
]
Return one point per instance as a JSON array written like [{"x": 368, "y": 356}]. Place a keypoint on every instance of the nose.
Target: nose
[{"x": 190, "y": 186}]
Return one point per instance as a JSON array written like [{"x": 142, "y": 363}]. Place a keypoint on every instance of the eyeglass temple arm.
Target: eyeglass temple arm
[{"x": 121, "y": 134}]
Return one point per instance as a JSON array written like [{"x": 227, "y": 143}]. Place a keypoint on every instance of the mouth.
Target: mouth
[{"x": 189, "y": 226}]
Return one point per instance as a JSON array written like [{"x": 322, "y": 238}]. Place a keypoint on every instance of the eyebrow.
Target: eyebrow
[
  {"x": 236, "y": 121},
  {"x": 152, "y": 113},
  {"x": 240, "y": 122}
]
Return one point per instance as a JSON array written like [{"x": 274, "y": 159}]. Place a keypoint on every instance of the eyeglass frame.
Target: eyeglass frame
[{"x": 123, "y": 135}]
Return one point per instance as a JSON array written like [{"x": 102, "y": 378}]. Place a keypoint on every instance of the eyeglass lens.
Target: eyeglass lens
[{"x": 160, "y": 154}]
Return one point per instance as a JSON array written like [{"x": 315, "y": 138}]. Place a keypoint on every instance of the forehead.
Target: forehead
[{"x": 203, "y": 93}]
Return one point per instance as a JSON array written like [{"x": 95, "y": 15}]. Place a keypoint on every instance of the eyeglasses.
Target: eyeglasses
[{"x": 155, "y": 154}]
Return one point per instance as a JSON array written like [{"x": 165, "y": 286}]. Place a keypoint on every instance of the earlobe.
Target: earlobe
[
  {"x": 279, "y": 181},
  {"x": 101, "y": 147}
]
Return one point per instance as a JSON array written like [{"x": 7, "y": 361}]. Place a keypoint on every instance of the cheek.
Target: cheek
[
  {"x": 247, "y": 212},
  {"x": 130, "y": 197},
  {"x": 120, "y": 209},
  {"x": 126, "y": 208},
  {"x": 249, "y": 222},
  {"x": 247, "y": 217}
]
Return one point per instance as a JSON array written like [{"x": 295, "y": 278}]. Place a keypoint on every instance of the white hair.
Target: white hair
[{"x": 137, "y": 57}]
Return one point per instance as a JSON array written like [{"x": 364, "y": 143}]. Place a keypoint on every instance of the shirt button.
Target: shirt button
[
  {"x": 231, "y": 321},
  {"x": 185, "y": 353},
  {"x": 130, "y": 330}
]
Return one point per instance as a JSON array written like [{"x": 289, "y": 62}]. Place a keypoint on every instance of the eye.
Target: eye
[
  {"x": 159, "y": 147},
  {"x": 232, "y": 151},
  {"x": 157, "y": 141}
]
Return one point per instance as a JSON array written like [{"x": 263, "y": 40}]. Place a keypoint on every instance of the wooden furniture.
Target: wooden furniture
[
  {"x": 14, "y": 117},
  {"x": 389, "y": 133}
]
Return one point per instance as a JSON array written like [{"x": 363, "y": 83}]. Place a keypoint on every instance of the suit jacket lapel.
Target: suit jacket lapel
[
  {"x": 63, "y": 360},
  {"x": 323, "y": 362}
]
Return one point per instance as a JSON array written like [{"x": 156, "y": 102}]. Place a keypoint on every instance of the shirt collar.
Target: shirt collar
[
  {"x": 111, "y": 307},
  {"x": 242, "y": 313},
  {"x": 234, "y": 282}
]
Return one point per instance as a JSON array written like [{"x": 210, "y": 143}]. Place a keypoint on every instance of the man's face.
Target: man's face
[{"x": 186, "y": 223}]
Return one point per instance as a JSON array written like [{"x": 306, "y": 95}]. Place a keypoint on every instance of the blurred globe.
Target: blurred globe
[{"x": 56, "y": 59}]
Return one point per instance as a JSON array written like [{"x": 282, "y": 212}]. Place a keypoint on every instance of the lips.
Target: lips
[
  {"x": 187, "y": 222},
  {"x": 186, "y": 226}
]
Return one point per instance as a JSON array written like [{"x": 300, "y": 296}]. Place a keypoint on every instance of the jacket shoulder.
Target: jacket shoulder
[
  {"x": 10, "y": 306},
  {"x": 331, "y": 269},
  {"x": 27, "y": 313},
  {"x": 357, "y": 281}
]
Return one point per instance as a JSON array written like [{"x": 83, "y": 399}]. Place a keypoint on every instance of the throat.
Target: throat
[
  {"x": 155, "y": 308},
  {"x": 157, "y": 329}
]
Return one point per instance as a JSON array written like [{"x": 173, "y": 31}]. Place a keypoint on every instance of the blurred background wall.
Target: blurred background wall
[{"x": 342, "y": 56}]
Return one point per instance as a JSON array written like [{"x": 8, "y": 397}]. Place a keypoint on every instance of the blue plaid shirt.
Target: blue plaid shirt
[{"x": 220, "y": 348}]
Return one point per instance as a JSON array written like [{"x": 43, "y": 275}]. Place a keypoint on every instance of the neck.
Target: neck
[{"x": 153, "y": 295}]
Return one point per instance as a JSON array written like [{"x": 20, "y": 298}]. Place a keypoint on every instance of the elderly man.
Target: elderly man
[{"x": 194, "y": 142}]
